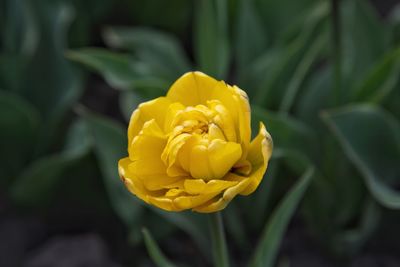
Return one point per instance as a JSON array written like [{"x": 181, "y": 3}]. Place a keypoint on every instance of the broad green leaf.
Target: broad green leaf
[
  {"x": 119, "y": 70},
  {"x": 19, "y": 32},
  {"x": 19, "y": 122},
  {"x": 212, "y": 48},
  {"x": 364, "y": 40},
  {"x": 315, "y": 97},
  {"x": 281, "y": 66},
  {"x": 50, "y": 82},
  {"x": 370, "y": 137},
  {"x": 381, "y": 80},
  {"x": 251, "y": 38},
  {"x": 267, "y": 248},
  {"x": 279, "y": 16},
  {"x": 301, "y": 71},
  {"x": 154, "y": 251},
  {"x": 160, "y": 52},
  {"x": 37, "y": 183},
  {"x": 109, "y": 140}
]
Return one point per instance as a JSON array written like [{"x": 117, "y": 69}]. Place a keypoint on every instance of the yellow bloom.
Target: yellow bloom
[{"x": 191, "y": 149}]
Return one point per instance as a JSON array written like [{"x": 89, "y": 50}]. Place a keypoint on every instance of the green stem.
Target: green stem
[
  {"x": 336, "y": 51},
  {"x": 220, "y": 252}
]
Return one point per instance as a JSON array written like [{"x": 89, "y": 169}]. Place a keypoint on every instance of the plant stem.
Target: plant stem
[
  {"x": 336, "y": 51},
  {"x": 220, "y": 252}
]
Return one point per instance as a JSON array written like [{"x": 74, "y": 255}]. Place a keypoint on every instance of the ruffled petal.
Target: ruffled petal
[
  {"x": 259, "y": 154},
  {"x": 215, "y": 160},
  {"x": 192, "y": 88},
  {"x": 153, "y": 109}
]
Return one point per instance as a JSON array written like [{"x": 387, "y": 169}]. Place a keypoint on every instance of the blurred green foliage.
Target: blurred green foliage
[{"x": 331, "y": 101}]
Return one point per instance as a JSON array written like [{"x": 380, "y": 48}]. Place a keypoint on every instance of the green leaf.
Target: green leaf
[
  {"x": 370, "y": 137},
  {"x": 381, "y": 80},
  {"x": 50, "y": 82},
  {"x": 365, "y": 40},
  {"x": 119, "y": 70},
  {"x": 109, "y": 140},
  {"x": 212, "y": 48},
  {"x": 251, "y": 38},
  {"x": 154, "y": 251},
  {"x": 284, "y": 62},
  {"x": 301, "y": 71},
  {"x": 160, "y": 52},
  {"x": 19, "y": 122},
  {"x": 19, "y": 32},
  {"x": 280, "y": 16},
  {"x": 36, "y": 185},
  {"x": 267, "y": 248}
]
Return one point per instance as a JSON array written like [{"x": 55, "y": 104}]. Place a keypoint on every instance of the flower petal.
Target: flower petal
[
  {"x": 192, "y": 88},
  {"x": 153, "y": 109},
  {"x": 215, "y": 160},
  {"x": 199, "y": 186},
  {"x": 228, "y": 195},
  {"x": 259, "y": 154},
  {"x": 236, "y": 102}
]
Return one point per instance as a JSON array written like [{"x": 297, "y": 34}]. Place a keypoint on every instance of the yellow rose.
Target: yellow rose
[{"x": 191, "y": 149}]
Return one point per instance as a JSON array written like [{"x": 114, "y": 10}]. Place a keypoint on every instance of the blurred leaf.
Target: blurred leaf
[
  {"x": 19, "y": 123},
  {"x": 282, "y": 62},
  {"x": 118, "y": 70},
  {"x": 109, "y": 140},
  {"x": 160, "y": 52},
  {"x": 301, "y": 71},
  {"x": 19, "y": 34},
  {"x": 173, "y": 15},
  {"x": 267, "y": 248},
  {"x": 350, "y": 241},
  {"x": 36, "y": 185},
  {"x": 370, "y": 138},
  {"x": 315, "y": 97},
  {"x": 381, "y": 80},
  {"x": 251, "y": 38},
  {"x": 394, "y": 22},
  {"x": 279, "y": 16},
  {"x": 154, "y": 251},
  {"x": 50, "y": 83},
  {"x": 211, "y": 42},
  {"x": 365, "y": 39},
  {"x": 11, "y": 72}
]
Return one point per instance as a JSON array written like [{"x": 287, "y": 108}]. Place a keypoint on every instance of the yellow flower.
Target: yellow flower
[{"x": 191, "y": 149}]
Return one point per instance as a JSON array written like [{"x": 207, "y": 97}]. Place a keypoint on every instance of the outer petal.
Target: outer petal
[
  {"x": 220, "y": 203},
  {"x": 259, "y": 154},
  {"x": 153, "y": 109},
  {"x": 145, "y": 155},
  {"x": 192, "y": 88},
  {"x": 134, "y": 186}
]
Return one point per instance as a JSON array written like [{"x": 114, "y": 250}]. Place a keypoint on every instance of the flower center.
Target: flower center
[{"x": 201, "y": 141}]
